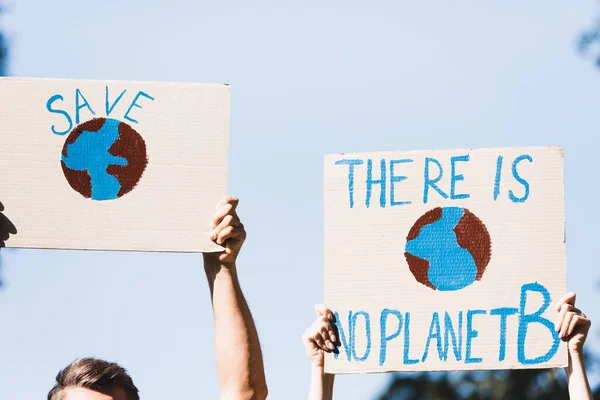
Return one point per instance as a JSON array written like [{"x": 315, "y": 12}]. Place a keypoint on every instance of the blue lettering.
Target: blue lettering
[
  {"x": 449, "y": 330},
  {"x": 396, "y": 179},
  {"x": 383, "y": 331},
  {"x": 498, "y": 177},
  {"x": 434, "y": 333},
  {"x": 522, "y": 181},
  {"x": 110, "y": 108},
  {"x": 79, "y": 106},
  {"x": 536, "y": 317},
  {"x": 353, "y": 338},
  {"x": 432, "y": 182},
  {"x": 503, "y": 312},
  {"x": 455, "y": 178},
  {"x": 351, "y": 164},
  {"x": 407, "y": 360},
  {"x": 51, "y": 100},
  {"x": 472, "y": 334},
  {"x": 346, "y": 343},
  {"x": 371, "y": 182},
  {"x": 135, "y": 104}
]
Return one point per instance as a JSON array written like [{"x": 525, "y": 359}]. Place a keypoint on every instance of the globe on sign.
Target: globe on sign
[
  {"x": 448, "y": 248},
  {"x": 103, "y": 159}
]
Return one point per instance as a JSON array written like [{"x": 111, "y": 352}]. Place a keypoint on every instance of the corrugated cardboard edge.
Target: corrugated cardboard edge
[
  {"x": 35, "y": 79},
  {"x": 468, "y": 367},
  {"x": 215, "y": 249},
  {"x": 558, "y": 148}
]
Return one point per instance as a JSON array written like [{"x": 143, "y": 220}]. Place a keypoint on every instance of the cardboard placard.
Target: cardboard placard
[
  {"x": 110, "y": 165},
  {"x": 445, "y": 260}
]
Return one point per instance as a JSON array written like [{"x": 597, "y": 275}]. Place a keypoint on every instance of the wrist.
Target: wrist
[
  {"x": 318, "y": 373},
  {"x": 317, "y": 369},
  {"x": 576, "y": 356},
  {"x": 576, "y": 360},
  {"x": 213, "y": 260}
]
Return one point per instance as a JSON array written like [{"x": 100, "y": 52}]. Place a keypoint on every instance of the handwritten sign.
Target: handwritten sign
[
  {"x": 112, "y": 165},
  {"x": 445, "y": 260}
]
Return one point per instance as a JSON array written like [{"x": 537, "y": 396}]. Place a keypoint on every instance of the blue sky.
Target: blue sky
[{"x": 307, "y": 79}]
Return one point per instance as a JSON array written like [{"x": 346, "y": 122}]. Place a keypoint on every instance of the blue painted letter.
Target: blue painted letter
[
  {"x": 353, "y": 335},
  {"x": 396, "y": 179},
  {"x": 351, "y": 164},
  {"x": 383, "y": 331},
  {"x": 432, "y": 182},
  {"x": 135, "y": 104},
  {"x": 79, "y": 106},
  {"x": 51, "y": 100},
  {"x": 110, "y": 108},
  {"x": 346, "y": 343},
  {"x": 449, "y": 330},
  {"x": 454, "y": 177},
  {"x": 498, "y": 177},
  {"x": 503, "y": 312},
  {"x": 407, "y": 359},
  {"x": 371, "y": 182},
  {"x": 434, "y": 333},
  {"x": 536, "y": 317},
  {"x": 472, "y": 334},
  {"x": 522, "y": 181}
]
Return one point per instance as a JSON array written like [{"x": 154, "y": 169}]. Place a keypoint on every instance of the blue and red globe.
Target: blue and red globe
[
  {"x": 448, "y": 248},
  {"x": 104, "y": 159}
]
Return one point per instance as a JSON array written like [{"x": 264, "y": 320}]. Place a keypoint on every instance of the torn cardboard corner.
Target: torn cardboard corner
[
  {"x": 109, "y": 165},
  {"x": 428, "y": 266}
]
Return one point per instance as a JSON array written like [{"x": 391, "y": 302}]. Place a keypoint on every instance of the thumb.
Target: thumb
[{"x": 320, "y": 310}]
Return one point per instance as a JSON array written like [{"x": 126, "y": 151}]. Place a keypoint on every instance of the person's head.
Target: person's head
[{"x": 93, "y": 379}]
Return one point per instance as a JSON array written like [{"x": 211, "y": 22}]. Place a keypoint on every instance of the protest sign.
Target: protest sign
[
  {"x": 110, "y": 165},
  {"x": 445, "y": 260}
]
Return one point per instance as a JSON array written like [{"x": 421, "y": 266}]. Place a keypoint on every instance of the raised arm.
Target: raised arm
[
  {"x": 573, "y": 327},
  {"x": 317, "y": 339},
  {"x": 239, "y": 359}
]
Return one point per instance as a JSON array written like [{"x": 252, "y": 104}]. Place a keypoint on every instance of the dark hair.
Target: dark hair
[{"x": 94, "y": 374}]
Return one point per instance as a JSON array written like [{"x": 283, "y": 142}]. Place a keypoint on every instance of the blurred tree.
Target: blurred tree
[
  {"x": 3, "y": 51},
  {"x": 533, "y": 384},
  {"x": 589, "y": 43},
  {"x": 3, "y": 71}
]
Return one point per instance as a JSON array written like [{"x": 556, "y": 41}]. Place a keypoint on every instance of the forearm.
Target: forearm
[
  {"x": 321, "y": 384},
  {"x": 237, "y": 348},
  {"x": 579, "y": 387}
]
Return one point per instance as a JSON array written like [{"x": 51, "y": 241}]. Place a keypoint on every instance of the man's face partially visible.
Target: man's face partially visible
[{"x": 87, "y": 394}]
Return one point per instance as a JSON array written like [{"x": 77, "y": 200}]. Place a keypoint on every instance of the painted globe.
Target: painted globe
[
  {"x": 448, "y": 248},
  {"x": 103, "y": 159}
]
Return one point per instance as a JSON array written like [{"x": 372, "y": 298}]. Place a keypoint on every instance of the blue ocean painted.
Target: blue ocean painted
[
  {"x": 451, "y": 267},
  {"x": 90, "y": 153}
]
